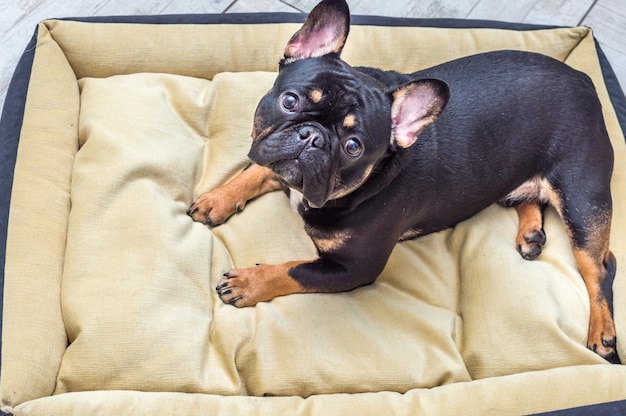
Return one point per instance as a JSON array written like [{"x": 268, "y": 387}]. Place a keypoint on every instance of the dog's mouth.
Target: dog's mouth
[
  {"x": 301, "y": 156},
  {"x": 289, "y": 172}
]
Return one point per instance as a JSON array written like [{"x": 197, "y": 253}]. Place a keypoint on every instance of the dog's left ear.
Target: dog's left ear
[
  {"x": 415, "y": 106},
  {"x": 324, "y": 31}
]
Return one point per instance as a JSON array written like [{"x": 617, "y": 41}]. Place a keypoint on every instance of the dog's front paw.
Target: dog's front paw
[
  {"x": 243, "y": 287},
  {"x": 216, "y": 206},
  {"x": 247, "y": 287}
]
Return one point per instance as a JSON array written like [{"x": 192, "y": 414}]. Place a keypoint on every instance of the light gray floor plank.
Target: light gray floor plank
[
  {"x": 510, "y": 11},
  {"x": 265, "y": 6},
  {"x": 402, "y": 8},
  {"x": 548, "y": 12},
  {"x": 12, "y": 12},
  {"x": 187, "y": 6},
  {"x": 559, "y": 13},
  {"x": 409, "y": 8},
  {"x": 608, "y": 24},
  {"x": 307, "y": 5}
]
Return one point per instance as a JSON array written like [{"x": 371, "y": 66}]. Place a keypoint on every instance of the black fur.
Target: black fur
[{"x": 511, "y": 116}]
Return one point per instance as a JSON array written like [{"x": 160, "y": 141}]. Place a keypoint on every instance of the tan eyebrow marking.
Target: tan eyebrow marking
[
  {"x": 316, "y": 95},
  {"x": 349, "y": 121}
]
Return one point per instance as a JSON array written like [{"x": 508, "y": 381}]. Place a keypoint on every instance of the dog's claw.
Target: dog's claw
[
  {"x": 530, "y": 252},
  {"x": 612, "y": 357},
  {"x": 610, "y": 343},
  {"x": 233, "y": 301},
  {"x": 538, "y": 236},
  {"x": 213, "y": 208}
]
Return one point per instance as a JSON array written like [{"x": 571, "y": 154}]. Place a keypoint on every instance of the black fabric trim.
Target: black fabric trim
[
  {"x": 196, "y": 19},
  {"x": 265, "y": 18},
  {"x": 13, "y": 112},
  {"x": 444, "y": 23},
  {"x": 616, "y": 93},
  {"x": 604, "y": 409}
]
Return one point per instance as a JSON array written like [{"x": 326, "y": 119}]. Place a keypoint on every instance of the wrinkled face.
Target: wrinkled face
[{"x": 322, "y": 128}]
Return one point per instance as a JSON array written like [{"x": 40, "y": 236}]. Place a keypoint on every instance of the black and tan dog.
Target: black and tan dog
[{"x": 379, "y": 157}]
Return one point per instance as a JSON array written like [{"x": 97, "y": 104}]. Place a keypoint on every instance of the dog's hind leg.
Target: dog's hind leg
[
  {"x": 598, "y": 271},
  {"x": 530, "y": 236},
  {"x": 529, "y": 200},
  {"x": 586, "y": 213}
]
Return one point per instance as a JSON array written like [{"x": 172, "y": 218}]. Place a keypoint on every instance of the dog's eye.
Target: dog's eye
[
  {"x": 289, "y": 102},
  {"x": 352, "y": 147}
]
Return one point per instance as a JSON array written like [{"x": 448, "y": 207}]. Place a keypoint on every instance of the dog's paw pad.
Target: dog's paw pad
[
  {"x": 531, "y": 244},
  {"x": 535, "y": 237}
]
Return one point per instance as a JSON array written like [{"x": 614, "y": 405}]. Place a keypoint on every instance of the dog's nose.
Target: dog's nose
[{"x": 313, "y": 136}]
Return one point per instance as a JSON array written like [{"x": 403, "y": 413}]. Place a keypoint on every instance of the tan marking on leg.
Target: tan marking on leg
[
  {"x": 530, "y": 236},
  {"x": 216, "y": 206},
  {"x": 601, "y": 337},
  {"x": 591, "y": 259},
  {"x": 247, "y": 287}
]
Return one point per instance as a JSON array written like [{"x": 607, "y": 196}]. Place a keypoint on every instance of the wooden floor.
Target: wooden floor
[{"x": 607, "y": 18}]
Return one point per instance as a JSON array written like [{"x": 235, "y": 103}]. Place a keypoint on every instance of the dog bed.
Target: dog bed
[{"x": 111, "y": 128}]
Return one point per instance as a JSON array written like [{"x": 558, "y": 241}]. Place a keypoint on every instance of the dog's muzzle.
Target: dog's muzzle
[{"x": 302, "y": 156}]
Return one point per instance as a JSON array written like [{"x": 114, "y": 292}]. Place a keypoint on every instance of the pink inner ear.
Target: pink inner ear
[
  {"x": 321, "y": 42},
  {"x": 406, "y": 126},
  {"x": 414, "y": 108},
  {"x": 316, "y": 41},
  {"x": 293, "y": 48},
  {"x": 405, "y": 133}
]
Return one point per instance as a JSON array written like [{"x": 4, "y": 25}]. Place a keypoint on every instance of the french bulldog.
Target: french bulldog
[{"x": 375, "y": 157}]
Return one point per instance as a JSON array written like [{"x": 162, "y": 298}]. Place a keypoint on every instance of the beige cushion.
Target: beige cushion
[{"x": 110, "y": 285}]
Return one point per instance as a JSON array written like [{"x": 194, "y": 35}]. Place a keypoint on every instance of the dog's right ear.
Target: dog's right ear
[
  {"x": 415, "y": 106},
  {"x": 324, "y": 31}
]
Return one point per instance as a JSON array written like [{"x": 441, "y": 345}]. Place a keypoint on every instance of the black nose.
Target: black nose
[{"x": 312, "y": 135}]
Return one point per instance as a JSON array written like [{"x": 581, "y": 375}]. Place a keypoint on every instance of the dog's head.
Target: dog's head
[{"x": 324, "y": 126}]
